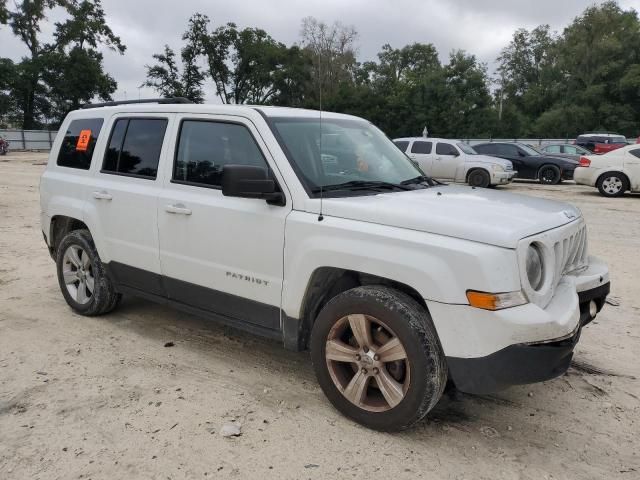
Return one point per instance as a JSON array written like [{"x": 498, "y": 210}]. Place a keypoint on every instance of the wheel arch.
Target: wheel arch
[
  {"x": 326, "y": 283},
  {"x": 60, "y": 226},
  {"x": 475, "y": 169},
  {"x": 614, "y": 170},
  {"x": 548, "y": 164}
]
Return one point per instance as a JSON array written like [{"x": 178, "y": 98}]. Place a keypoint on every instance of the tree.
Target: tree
[
  {"x": 165, "y": 77},
  {"x": 333, "y": 55},
  {"x": 76, "y": 38}
]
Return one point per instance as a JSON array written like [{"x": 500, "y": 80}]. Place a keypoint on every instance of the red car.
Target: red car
[{"x": 601, "y": 142}]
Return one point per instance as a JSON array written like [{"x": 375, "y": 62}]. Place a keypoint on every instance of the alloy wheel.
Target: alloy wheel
[
  {"x": 612, "y": 185},
  {"x": 78, "y": 274},
  {"x": 367, "y": 362}
]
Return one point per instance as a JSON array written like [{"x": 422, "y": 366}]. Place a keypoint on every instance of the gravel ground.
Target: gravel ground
[{"x": 105, "y": 398}]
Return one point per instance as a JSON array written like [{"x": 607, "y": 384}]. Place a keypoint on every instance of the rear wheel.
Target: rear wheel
[
  {"x": 377, "y": 357},
  {"x": 549, "y": 174},
  {"x": 612, "y": 184},
  {"x": 82, "y": 277},
  {"x": 479, "y": 178}
]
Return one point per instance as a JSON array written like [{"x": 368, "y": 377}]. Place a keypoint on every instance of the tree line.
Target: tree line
[{"x": 545, "y": 84}]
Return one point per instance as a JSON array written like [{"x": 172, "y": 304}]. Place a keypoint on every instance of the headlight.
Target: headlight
[
  {"x": 497, "y": 168},
  {"x": 535, "y": 267}
]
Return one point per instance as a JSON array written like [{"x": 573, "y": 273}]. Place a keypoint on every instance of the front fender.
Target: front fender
[{"x": 439, "y": 268}]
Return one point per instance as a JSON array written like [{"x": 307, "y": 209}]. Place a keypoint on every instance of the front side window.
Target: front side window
[
  {"x": 79, "y": 142},
  {"x": 420, "y": 146},
  {"x": 635, "y": 153},
  {"x": 343, "y": 155},
  {"x": 446, "y": 149},
  {"x": 204, "y": 147},
  {"x": 402, "y": 145},
  {"x": 135, "y": 146}
]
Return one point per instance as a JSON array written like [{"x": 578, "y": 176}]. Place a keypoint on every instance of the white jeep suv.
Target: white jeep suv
[
  {"x": 315, "y": 230},
  {"x": 456, "y": 161}
]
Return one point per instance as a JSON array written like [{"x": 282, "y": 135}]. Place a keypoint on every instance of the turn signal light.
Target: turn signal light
[
  {"x": 495, "y": 301},
  {"x": 584, "y": 162}
]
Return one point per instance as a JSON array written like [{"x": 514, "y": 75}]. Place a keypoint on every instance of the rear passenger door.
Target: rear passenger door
[
  {"x": 221, "y": 254},
  {"x": 421, "y": 152},
  {"x": 123, "y": 195}
]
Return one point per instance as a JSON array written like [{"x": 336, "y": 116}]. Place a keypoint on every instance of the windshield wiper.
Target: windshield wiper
[
  {"x": 421, "y": 179},
  {"x": 361, "y": 185}
]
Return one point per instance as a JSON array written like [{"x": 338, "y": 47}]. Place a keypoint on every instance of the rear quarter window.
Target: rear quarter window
[{"x": 79, "y": 142}]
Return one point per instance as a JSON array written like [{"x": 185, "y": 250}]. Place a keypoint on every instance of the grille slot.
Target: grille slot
[{"x": 571, "y": 252}]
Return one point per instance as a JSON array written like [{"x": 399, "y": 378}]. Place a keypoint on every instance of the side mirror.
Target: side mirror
[
  {"x": 248, "y": 181},
  {"x": 456, "y": 154}
]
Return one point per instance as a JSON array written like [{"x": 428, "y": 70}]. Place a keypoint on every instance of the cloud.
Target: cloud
[{"x": 481, "y": 27}]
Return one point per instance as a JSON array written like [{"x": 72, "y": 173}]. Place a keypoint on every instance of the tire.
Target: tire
[
  {"x": 412, "y": 378},
  {"x": 550, "y": 175},
  {"x": 479, "y": 178},
  {"x": 78, "y": 261},
  {"x": 612, "y": 184}
]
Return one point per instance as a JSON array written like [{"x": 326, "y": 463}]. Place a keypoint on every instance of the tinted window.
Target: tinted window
[
  {"x": 402, "y": 145},
  {"x": 421, "y": 147},
  {"x": 553, "y": 149},
  {"x": 446, "y": 149},
  {"x": 79, "y": 142},
  {"x": 635, "y": 153},
  {"x": 507, "y": 150},
  {"x": 205, "y": 147},
  {"x": 487, "y": 149},
  {"x": 134, "y": 147}
]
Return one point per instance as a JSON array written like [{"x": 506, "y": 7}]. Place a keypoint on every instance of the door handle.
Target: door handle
[
  {"x": 102, "y": 195},
  {"x": 178, "y": 208}
]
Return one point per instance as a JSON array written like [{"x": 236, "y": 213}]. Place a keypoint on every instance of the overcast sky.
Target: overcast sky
[{"x": 481, "y": 27}]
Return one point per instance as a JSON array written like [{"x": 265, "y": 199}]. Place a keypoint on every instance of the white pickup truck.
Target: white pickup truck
[{"x": 315, "y": 230}]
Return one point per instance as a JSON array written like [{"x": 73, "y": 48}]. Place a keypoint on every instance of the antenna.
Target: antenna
[{"x": 320, "y": 216}]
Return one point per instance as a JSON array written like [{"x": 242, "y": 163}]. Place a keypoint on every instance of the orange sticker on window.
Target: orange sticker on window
[{"x": 83, "y": 141}]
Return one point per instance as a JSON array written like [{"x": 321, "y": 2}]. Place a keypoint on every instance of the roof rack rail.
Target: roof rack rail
[{"x": 144, "y": 100}]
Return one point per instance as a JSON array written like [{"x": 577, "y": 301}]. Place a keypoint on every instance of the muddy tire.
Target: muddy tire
[
  {"x": 377, "y": 357},
  {"x": 612, "y": 184},
  {"x": 82, "y": 277},
  {"x": 550, "y": 175},
  {"x": 479, "y": 178}
]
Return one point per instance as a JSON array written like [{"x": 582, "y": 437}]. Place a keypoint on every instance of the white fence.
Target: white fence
[{"x": 29, "y": 139}]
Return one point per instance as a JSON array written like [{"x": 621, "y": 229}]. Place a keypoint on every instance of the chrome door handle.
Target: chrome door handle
[
  {"x": 178, "y": 208},
  {"x": 102, "y": 195}
]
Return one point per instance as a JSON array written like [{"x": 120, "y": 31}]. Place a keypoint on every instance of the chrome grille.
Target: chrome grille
[{"x": 571, "y": 252}]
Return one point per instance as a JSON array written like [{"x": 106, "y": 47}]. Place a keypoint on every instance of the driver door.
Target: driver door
[
  {"x": 447, "y": 161},
  {"x": 220, "y": 254}
]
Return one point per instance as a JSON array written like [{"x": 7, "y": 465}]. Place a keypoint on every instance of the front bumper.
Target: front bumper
[
  {"x": 487, "y": 351},
  {"x": 502, "y": 178}
]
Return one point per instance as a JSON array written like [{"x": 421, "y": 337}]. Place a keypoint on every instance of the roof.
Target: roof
[
  {"x": 221, "y": 109},
  {"x": 426, "y": 139}
]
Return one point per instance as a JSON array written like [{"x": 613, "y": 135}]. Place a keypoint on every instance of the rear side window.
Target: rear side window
[
  {"x": 204, "y": 147},
  {"x": 554, "y": 149},
  {"x": 79, "y": 142},
  {"x": 134, "y": 147},
  {"x": 446, "y": 149},
  {"x": 402, "y": 145},
  {"x": 421, "y": 147},
  {"x": 488, "y": 149}
]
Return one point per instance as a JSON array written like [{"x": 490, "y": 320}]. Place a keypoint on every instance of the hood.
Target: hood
[
  {"x": 489, "y": 159},
  {"x": 480, "y": 215}
]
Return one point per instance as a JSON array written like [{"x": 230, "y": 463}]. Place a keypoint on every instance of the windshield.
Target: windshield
[
  {"x": 529, "y": 149},
  {"x": 352, "y": 153},
  {"x": 466, "y": 148}
]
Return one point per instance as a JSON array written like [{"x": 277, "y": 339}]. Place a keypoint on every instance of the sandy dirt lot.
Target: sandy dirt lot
[{"x": 103, "y": 398}]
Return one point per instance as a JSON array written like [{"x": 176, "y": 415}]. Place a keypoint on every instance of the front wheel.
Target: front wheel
[
  {"x": 612, "y": 184},
  {"x": 479, "y": 178},
  {"x": 378, "y": 358}
]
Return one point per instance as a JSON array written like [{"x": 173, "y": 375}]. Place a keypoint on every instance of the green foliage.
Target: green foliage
[{"x": 58, "y": 76}]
